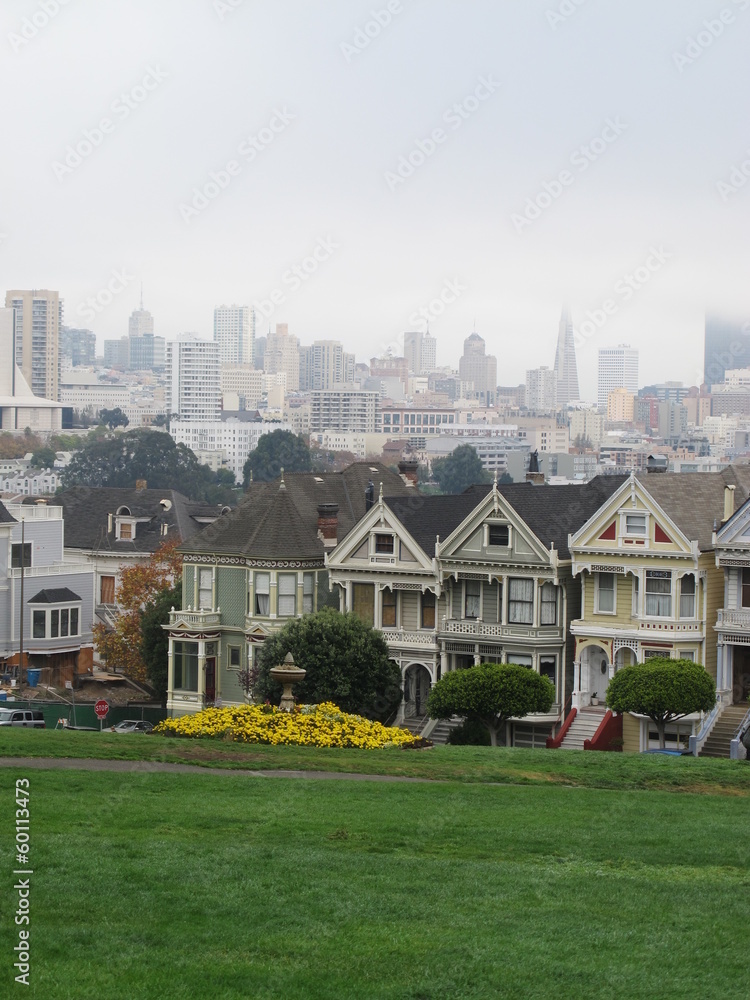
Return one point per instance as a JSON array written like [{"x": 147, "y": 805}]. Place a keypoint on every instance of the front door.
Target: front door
[
  {"x": 740, "y": 675},
  {"x": 210, "y": 680}
]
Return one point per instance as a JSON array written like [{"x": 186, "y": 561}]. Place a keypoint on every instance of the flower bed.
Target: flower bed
[{"x": 322, "y": 725}]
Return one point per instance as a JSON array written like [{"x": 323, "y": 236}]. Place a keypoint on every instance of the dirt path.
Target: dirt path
[{"x": 154, "y": 766}]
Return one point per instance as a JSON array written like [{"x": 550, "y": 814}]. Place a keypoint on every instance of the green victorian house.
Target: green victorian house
[{"x": 248, "y": 573}]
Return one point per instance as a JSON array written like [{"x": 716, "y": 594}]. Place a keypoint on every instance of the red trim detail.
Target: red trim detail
[
  {"x": 661, "y": 536},
  {"x": 609, "y": 729},
  {"x": 553, "y": 742},
  {"x": 609, "y": 534}
]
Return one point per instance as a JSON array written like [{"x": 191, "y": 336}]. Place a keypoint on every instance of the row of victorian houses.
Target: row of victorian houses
[{"x": 573, "y": 582}]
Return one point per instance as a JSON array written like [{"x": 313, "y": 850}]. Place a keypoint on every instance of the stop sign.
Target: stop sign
[{"x": 101, "y": 708}]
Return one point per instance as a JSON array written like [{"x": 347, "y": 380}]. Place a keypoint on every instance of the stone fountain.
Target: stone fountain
[{"x": 286, "y": 674}]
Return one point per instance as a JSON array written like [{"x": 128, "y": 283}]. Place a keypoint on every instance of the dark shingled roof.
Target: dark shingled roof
[
  {"x": 551, "y": 512},
  {"x": 55, "y": 595},
  {"x": 86, "y": 511},
  {"x": 275, "y": 522},
  {"x": 5, "y": 517}
]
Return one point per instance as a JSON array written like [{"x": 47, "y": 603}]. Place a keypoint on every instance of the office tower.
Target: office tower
[
  {"x": 146, "y": 353},
  {"x": 325, "y": 365},
  {"x": 117, "y": 353},
  {"x": 480, "y": 369},
  {"x": 541, "y": 389},
  {"x": 344, "y": 410},
  {"x": 37, "y": 337},
  {"x": 234, "y": 332},
  {"x": 141, "y": 321},
  {"x": 726, "y": 346},
  {"x": 193, "y": 383},
  {"x": 259, "y": 352},
  {"x": 618, "y": 369},
  {"x": 282, "y": 355},
  {"x": 420, "y": 352},
  {"x": 78, "y": 345},
  {"x": 566, "y": 368}
]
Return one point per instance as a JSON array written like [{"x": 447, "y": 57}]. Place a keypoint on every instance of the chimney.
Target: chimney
[
  {"x": 369, "y": 496},
  {"x": 407, "y": 468},
  {"x": 328, "y": 524},
  {"x": 534, "y": 476},
  {"x": 141, "y": 484},
  {"x": 728, "y": 502}
]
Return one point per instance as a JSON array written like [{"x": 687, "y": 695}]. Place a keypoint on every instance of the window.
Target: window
[
  {"x": 498, "y": 535},
  {"x": 54, "y": 624},
  {"x": 363, "y": 595},
  {"x": 262, "y": 593},
  {"x": 64, "y": 617},
  {"x": 428, "y": 609},
  {"x": 687, "y": 596},
  {"x": 185, "y": 659},
  {"x": 688, "y": 655},
  {"x": 308, "y": 593},
  {"x": 520, "y": 602},
  {"x": 40, "y": 625},
  {"x": 287, "y": 595},
  {"x": 520, "y": 659},
  {"x": 649, "y": 654},
  {"x": 605, "y": 593},
  {"x": 548, "y": 667},
  {"x": 15, "y": 555},
  {"x": 234, "y": 657},
  {"x": 389, "y": 609},
  {"x": 746, "y": 588},
  {"x": 384, "y": 544},
  {"x": 472, "y": 598},
  {"x": 126, "y": 531},
  {"x": 635, "y": 524},
  {"x": 636, "y": 596},
  {"x": 205, "y": 588},
  {"x": 74, "y": 621},
  {"x": 658, "y": 593},
  {"x": 549, "y": 604}
]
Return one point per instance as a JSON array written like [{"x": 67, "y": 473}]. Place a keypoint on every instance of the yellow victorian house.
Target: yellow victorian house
[{"x": 650, "y": 586}]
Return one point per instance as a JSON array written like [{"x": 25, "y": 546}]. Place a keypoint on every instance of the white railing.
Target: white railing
[
  {"x": 199, "y": 618},
  {"x": 733, "y": 619},
  {"x": 471, "y": 627},
  {"x": 734, "y": 745},
  {"x": 34, "y": 512},
  {"x": 398, "y": 637},
  {"x": 476, "y": 627},
  {"x": 59, "y": 569},
  {"x": 695, "y": 743}
]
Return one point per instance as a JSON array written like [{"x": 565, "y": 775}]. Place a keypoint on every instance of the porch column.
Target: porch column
[
  {"x": 202, "y": 671},
  {"x": 477, "y": 657},
  {"x": 170, "y": 670},
  {"x": 444, "y": 665},
  {"x": 576, "y": 699}
]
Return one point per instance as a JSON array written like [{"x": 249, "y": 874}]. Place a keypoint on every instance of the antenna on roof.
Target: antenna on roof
[
  {"x": 282, "y": 484},
  {"x": 141, "y": 296}
]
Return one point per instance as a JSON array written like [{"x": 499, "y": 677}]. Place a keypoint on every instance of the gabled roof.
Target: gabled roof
[
  {"x": 551, "y": 512},
  {"x": 55, "y": 595},
  {"x": 86, "y": 512},
  {"x": 274, "y": 523},
  {"x": 5, "y": 517}
]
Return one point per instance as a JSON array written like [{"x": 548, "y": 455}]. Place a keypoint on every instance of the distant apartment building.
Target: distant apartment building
[
  {"x": 410, "y": 420},
  {"x": 282, "y": 355},
  {"x": 234, "y": 332},
  {"x": 420, "y": 352},
  {"x": 243, "y": 382},
  {"x": 726, "y": 346},
  {"x": 586, "y": 425},
  {"x": 354, "y": 410},
  {"x": 193, "y": 382},
  {"x": 146, "y": 353},
  {"x": 389, "y": 367},
  {"x": 673, "y": 420},
  {"x": 480, "y": 369},
  {"x": 541, "y": 389},
  {"x": 117, "y": 353},
  {"x": 618, "y": 369},
  {"x": 234, "y": 439},
  {"x": 325, "y": 365},
  {"x": 620, "y": 406},
  {"x": 19, "y": 407},
  {"x": 77, "y": 346},
  {"x": 38, "y": 317},
  {"x": 83, "y": 391}
]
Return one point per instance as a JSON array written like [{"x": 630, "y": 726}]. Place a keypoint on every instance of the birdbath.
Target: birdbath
[{"x": 287, "y": 674}]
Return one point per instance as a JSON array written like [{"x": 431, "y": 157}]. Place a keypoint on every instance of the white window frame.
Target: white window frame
[
  {"x": 308, "y": 593},
  {"x": 261, "y": 593},
  {"x": 286, "y": 578},
  {"x": 493, "y": 545},
  {"x": 464, "y": 608},
  {"x": 205, "y": 573},
  {"x": 542, "y": 602},
  {"x": 646, "y": 595},
  {"x": 597, "y": 589},
  {"x": 694, "y": 596}
]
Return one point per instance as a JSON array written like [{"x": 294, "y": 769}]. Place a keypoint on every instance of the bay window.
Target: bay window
[
  {"x": 687, "y": 596},
  {"x": 287, "y": 596},
  {"x": 262, "y": 594},
  {"x": 185, "y": 662},
  {"x": 520, "y": 602},
  {"x": 472, "y": 598},
  {"x": 549, "y": 604},
  {"x": 605, "y": 593},
  {"x": 658, "y": 593}
]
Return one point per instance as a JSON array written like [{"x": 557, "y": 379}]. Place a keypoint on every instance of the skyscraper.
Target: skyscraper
[
  {"x": 234, "y": 332},
  {"x": 541, "y": 389},
  {"x": 37, "y": 336},
  {"x": 480, "y": 369},
  {"x": 325, "y": 365},
  {"x": 618, "y": 369},
  {"x": 420, "y": 352},
  {"x": 726, "y": 346},
  {"x": 566, "y": 368},
  {"x": 282, "y": 355},
  {"x": 193, "y": 389}
]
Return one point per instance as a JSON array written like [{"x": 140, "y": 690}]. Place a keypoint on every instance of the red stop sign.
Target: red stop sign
[{"x": 101, "y": 708}]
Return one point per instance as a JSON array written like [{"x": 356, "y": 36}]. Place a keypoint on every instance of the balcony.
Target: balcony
[
  {"x": 399, "y": 637},
  {"x": 639, "y": 628},
  {"x": 476, "y": 627},
  {"x": 733, "y": 619},
  {"x": 198, "y": 619}
]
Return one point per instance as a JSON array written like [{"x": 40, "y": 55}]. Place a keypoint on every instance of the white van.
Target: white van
[{"x": 22, "y": 717}]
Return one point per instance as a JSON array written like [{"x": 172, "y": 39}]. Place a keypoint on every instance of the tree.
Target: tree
[
  {"x": 43, "y": 458},
  {"x": 490, "y": 693},
  {"x": 140, "y": 586},
  {"x": 113, "y": 418},
  {"x": 347, "y": 662},
  {"x": 459, "y": 470},
  {"x": 276, "y": 451},
  {"x": 154, "y": 639},
  {"x": 662, "y": 689}
]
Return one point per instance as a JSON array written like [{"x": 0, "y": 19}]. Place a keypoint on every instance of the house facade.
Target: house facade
[{"x": 732, "y": 625}]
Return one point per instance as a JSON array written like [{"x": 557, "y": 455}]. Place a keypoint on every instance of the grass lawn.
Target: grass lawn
[{"x": 222, "y": 886}]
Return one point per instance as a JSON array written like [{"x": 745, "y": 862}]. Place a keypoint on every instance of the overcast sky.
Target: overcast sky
[{"x": 317, "y": 124}]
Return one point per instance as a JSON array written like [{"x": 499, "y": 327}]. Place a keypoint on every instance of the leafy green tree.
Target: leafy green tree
[
  {"x": 276, "y": 451},
  {"x": 43, "y": 458},
  {"x": 459, "y": 470},
  {"x": 347, "y": 662},
  {"x": 662, "y": 689},
  {"x": 155, "y": 641},
  {"x": 113, "y": 418},
  {"x": 490, "y": 693}
]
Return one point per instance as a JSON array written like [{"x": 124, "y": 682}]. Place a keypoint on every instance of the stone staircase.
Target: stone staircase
[
  {"x": 585, "y": 724},
  {"x": 415, "y": 724},
  {"x": 442, "y": 729},
  {"x": 717, "y": 744}
]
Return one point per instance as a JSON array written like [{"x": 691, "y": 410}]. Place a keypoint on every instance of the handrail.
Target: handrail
[
  {"x": 608, "y": 732},
  {"x": 734, "y": 743},
  {"x": 695, "y": 743},
  {"x": 743, "y": 725}
]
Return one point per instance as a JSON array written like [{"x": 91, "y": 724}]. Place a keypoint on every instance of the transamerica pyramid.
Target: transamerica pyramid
[{"x": 566, "y": 369}]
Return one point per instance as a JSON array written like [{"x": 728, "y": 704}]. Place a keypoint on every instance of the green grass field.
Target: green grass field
[{"x": 226, "y": 886}]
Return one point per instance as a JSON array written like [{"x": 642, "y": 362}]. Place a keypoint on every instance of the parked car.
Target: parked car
[
  {"x": 22, "y": 717},
  {"x": 130, "y": 726}
]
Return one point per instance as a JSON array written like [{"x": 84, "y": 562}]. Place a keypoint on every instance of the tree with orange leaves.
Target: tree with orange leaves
[{"x": 140, "y": 586}]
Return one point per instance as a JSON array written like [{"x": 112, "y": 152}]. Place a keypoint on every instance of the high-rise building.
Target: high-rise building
[
  {"x": 620, "y": 406},
  {"x": 117, "y": 353},
  {"x": 618, "y": 369},
  {"x": 79, "y": 346},
  {"x": 193, "y": 383},
  {"x": 344, "y": 410},
  {"x": 420, "y": 352},
  {"x": 726, "y": 346},
  {"x": 566, "y": 368},
  {"x": 325, "y": 365},
  {"x": 141, "y": 321},
  {"x": 234, "y": 332},
  {"x": 37, "y": 338},
  {"x": 242, "y": 382},
  {"x": 480, "y": 369},
  {"x": 541, "y": 389},
  {"x": 282, "y": 355},
  {"x": 146, "y": 352}
]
